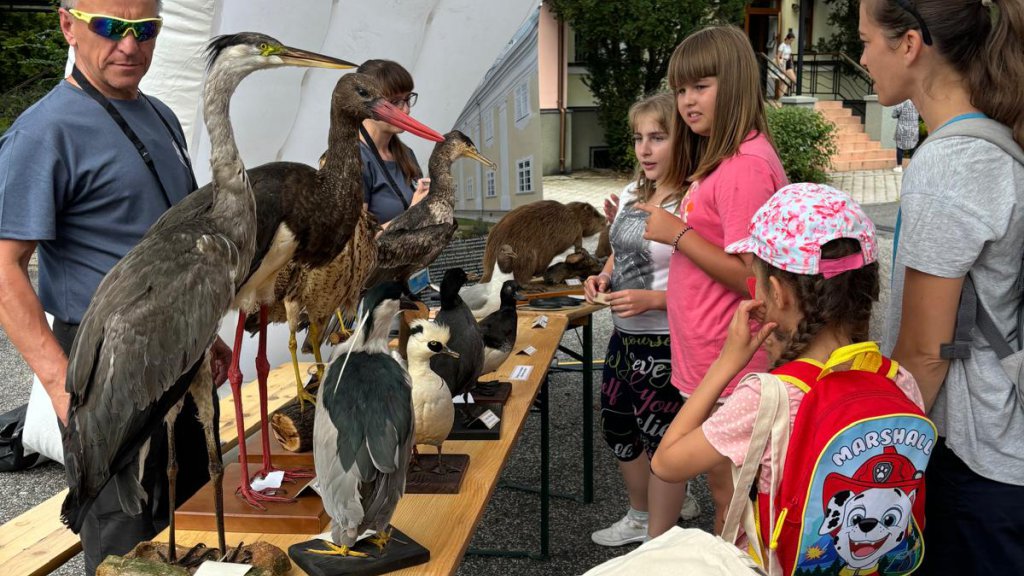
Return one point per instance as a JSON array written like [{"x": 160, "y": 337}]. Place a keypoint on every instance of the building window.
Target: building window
[
  {"x": 524, "y": 176},
  {"x": 491, "y": 190},
  {"x": 469, "y": 188},
  {"x": 522, "y": 101},
  {"x": 489, "y": 127}
]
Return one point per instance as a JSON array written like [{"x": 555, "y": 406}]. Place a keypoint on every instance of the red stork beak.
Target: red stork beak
[{"x": 387, "y": 112}]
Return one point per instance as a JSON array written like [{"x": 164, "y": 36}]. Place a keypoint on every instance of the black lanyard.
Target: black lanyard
[
  {"x": 383, "y": 167},
  {"x": 89, "y": 89}
]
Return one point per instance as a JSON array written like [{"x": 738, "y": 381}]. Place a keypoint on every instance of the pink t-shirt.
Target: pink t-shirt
[
  {"x": 719, "y": 208},
  {"x": 728, "y": 430}
]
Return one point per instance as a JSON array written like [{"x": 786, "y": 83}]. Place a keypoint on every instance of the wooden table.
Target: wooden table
[{"x": 444, "y": 524}]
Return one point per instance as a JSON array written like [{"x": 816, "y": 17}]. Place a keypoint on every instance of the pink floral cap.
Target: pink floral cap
[{"x": 792, "y": 226}]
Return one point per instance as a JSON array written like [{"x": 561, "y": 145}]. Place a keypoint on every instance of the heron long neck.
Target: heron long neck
[
  {"x": 441, "y": 183},
  {"x": 342, "y": 170},
  {"x": 233, "y": 203}
]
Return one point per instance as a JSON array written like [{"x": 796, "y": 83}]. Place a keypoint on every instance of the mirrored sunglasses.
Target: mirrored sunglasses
[
  {"x": 409, "y": 100},
  {"x": 114, "y": 28}
]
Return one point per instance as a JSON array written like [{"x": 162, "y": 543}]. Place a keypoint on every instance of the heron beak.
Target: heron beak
[
  {"x": 387, "y": 112},
  {"x": 475, "y": 155},
  {"x": 307, "y": 59},
  {"x": 448, "y": 351}
]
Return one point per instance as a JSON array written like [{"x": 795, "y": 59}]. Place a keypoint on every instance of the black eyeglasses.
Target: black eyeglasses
[
  {"x": 925, "y": 35},
  {"x": 409, "y": 100}
]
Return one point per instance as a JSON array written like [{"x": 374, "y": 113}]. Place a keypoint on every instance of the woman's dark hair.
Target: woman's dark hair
[
  {"x": 395, "y": 81},
  {"x": 982, "y": 41},
  {"x": 842, "y": 302}
]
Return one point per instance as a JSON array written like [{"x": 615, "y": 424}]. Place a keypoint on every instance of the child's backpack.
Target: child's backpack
[{"x": 850, "y": 500}]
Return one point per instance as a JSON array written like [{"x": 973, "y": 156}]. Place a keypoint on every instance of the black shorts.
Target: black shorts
[
  {"x": 789, "y": 64},
  {"x": 638, "y": 400}
]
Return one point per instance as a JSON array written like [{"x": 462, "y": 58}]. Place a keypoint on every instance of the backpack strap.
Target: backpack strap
[
  {"x": 802, "y": 373},
  {"x": 971, "y": 312}
]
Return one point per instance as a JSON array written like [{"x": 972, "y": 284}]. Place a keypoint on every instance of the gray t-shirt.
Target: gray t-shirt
[
  {"x": 71, "y": 180},
  {"x": 380, "y": 198},
  {"x": 963, "y": 210}
]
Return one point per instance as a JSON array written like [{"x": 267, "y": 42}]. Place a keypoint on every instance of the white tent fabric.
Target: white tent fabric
[{"x": 283, "y": 114}]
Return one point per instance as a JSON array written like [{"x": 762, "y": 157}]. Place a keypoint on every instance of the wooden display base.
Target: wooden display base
[
  {"x": 425, "y": 481},
  {"x": 494, "y": 392},
  {"x": 467, "y": 427},
  {"x": 401, "y": 552},
  {"x": 278, "y": 455},
  {"x": 304, "y": 516}
]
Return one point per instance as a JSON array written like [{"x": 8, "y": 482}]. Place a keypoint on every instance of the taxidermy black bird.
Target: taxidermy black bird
[
  {"x": 414, "y": 239},
  {"x": 364, "y": 428},
  {"x": 155, "y": 314},
  {"x": 306, "y": 219},
  {"x": 500, "y": 328},
  {"x": 460, "y": 375}
]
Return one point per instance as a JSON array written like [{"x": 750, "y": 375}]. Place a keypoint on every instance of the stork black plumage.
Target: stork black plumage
[{"x": 155, "y": 314}]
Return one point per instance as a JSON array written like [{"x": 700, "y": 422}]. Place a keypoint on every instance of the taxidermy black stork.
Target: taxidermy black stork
[{"x": 145, "y": 334}]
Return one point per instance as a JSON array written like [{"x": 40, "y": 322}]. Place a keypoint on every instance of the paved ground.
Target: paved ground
[{"x": 511, "y": 520}]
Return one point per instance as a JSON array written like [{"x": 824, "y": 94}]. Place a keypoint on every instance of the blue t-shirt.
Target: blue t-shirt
[
  {"x": 72, "y": 181},
  {"x": 380, "y": 198}
]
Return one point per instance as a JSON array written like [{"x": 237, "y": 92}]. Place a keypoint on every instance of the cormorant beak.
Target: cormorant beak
[
  {"x": 450, "y": 352},
  {"x": 387, "y": 112},
  {"x": 307, "y": 59},
  {"x": 475, "y": 155}
]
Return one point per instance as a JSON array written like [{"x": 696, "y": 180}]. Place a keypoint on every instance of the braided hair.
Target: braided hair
[{"x": 842, "y": 302}]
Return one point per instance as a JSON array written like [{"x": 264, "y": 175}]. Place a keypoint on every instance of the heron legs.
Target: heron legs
[
  {"x": 204, "y": 394},
  {"x": 172, "y": 476},
  {"x": 441, "y": 468},
  {"x": 252, "y": 497},
  {"x": 292, "y": 309},
  {"x": 262, "y": 370}
]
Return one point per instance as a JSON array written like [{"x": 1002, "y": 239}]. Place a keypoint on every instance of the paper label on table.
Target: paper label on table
[
  {"x": 210, "y": 568},
  {"x": 541, "y": 321},
  {"x": 575, "y": 297},
  {"x": 272, "y": 481},
  {"x": 529, "y": 350},
  {"x": 521, "y": 372},
  {"x": 490, "y": 419},
  {"x": 573, "y": 282},
  {"x": 466, "y": 398},
  {"x": 313, "y": 485}
]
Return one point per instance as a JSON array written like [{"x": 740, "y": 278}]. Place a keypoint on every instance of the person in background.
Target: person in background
[
  {"x": 727, "y": 163},
  {"x": 637, "y": 370},
  {"x": 392, "y": 179},
  {"x": 961, "y": 215},
  {"x": 784, "y": 57},
  {"x": 76, "y": 189},
  {"x": 907, "y": 131}
]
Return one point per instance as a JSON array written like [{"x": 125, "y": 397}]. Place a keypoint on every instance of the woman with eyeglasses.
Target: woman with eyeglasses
[
  {"x": 392, "y": 179},
  {"x": 961, "y": 223}
]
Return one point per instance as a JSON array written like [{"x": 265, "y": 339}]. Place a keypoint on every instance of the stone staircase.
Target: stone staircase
[{"x": 856, "y": 150}]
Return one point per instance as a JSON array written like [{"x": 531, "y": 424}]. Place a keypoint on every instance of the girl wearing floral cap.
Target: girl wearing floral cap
[
  {"x": 815, "y": 280},
  {"x": 725, "y": 160}
]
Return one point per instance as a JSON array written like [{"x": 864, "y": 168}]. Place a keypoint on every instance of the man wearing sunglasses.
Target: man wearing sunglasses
[{"x": 84, "y": 173}]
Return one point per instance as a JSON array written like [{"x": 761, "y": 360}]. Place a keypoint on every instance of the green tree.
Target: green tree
[
  {"x": 628, "y": 44},
  {"x": 843, "y": 18},
  {"x": 34, "y": 52},
  {"x": 806, "y": 142}
]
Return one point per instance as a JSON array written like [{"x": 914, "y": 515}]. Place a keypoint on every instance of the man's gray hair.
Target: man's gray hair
[{"x": 69, "y": 4}]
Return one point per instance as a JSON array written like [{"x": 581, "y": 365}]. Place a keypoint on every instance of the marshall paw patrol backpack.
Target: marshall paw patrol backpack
[{"x": 850, "y": 499}]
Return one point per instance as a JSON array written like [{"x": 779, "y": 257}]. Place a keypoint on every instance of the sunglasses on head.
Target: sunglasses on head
[
  {"x": 926, "y": 36},
  {"x": 114, "y": 28},
  {"x": 409, "y": 100}
]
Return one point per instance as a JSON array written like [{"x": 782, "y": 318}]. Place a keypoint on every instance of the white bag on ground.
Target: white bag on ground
[
  {"x": 681, "y": 551},
  {"x": 42, "y": 434}
]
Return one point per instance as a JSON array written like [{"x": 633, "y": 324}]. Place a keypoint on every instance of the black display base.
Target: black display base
[
  {"x": 494, "y": 392},
  {"x": 468, "y": 426},
  {"x": 401, "y": 552}
]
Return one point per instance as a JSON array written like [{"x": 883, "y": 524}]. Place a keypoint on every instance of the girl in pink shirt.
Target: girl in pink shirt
[
  {"x": 725, "y": 158},
  {"x": 815, "y": 280}
]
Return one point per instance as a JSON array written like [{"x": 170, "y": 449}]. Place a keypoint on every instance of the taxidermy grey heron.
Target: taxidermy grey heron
[
  {"x": 414, "y": 239},
  {"x": 306, "y": 219},
  {"x": 363, "y": 431},
  {"x": 142, "y": 342}
]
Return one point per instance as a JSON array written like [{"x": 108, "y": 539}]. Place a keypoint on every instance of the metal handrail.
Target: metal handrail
[{"x": 777, "y": 72}]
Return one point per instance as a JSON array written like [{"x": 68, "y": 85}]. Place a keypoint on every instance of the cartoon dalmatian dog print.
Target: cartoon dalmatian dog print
[{"x": 871, "y": 513}]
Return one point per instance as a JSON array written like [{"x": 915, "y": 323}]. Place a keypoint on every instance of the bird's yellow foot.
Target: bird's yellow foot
[
  {"x": 380, "y": 539},
  {"x": 335, "y": 550},
  {"x": 305, "y": 397}
]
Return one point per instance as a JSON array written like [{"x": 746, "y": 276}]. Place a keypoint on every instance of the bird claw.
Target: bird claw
[
  {"x": 380, "y": 539},
  {"x": 254, "y": 497},
  {"x": 305, "y": 397},
  {"x": 335, "y": 550}
]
